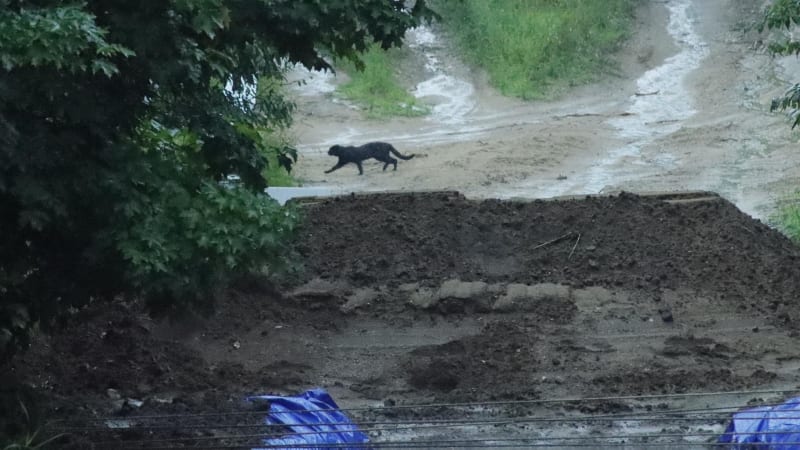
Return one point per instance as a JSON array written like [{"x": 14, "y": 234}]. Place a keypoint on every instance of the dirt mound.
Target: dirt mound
[
  {"x": 431, "y": 297},
  {"x": 626, "y": 241}
]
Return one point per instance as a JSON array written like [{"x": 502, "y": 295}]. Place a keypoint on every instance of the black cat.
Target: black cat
[{"x": 356, "y": 155}]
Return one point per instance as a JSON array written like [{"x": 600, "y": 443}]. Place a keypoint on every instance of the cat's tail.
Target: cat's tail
[{"x": 400, "y": 155}]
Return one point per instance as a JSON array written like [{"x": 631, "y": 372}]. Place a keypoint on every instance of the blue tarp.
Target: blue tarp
[
  {"x": 314, "y": 417},
  {"x": 773, "y": 427}
]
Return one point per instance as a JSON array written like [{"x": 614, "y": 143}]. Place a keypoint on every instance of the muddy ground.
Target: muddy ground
[
  {"x": 527, "y": 308},
  {"x": 420, "y": 299},
  {"x": 686, "y": 107}
]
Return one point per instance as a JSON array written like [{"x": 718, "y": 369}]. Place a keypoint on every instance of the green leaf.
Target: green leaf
[{"x": 105, "y": 66}]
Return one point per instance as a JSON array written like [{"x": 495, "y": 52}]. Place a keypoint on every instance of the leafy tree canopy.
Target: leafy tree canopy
[
  {"x": 784, "y": 15},
  {"x": 132, "y": 148}
]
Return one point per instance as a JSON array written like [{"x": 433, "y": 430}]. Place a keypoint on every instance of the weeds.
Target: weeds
[
  {"x": 531, "y": 47},
  {"x": 277, "y": 175},
  {"x": 376, "y": 88},
  {"x": 29, "y": 439},
  {"x": 31, "y": 442},
  {"x": 788, "y": 218}
]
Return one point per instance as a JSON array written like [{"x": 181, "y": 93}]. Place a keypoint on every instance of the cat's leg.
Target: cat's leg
[
  {"x": 338, "y": 166},
  {"x": 387, "y": 161}
]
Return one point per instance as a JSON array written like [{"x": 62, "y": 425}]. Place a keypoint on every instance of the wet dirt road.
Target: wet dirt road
[{"x": 688, "y": 110}]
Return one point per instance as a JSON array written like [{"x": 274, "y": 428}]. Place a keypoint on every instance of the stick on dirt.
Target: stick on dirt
[
  {"x": 554, "y": 241},
  {"x": 574, "y": 246}
]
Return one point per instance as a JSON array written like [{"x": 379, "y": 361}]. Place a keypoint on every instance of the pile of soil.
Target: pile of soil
[
  {"x": 625, "y": 241},
  {"x": 640, "y": 296}
]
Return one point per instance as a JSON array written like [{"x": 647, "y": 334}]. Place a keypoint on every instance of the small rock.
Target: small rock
[
  {"x": 113, "y": 394},
  {"x": 117, "y": 405},
  {"x": 164, "y": 399},
  {"x": 118, "y": 424},
  {"x": 237, "y": 345}
]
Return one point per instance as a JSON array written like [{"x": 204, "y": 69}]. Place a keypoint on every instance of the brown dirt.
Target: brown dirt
[
  {"x": 408, "y": 299},
  {"x": 625, "y": 241},
  {"x": 414, "y": 299}
]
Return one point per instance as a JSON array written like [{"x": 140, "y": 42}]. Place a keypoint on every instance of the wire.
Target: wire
[
  {"x": 595, "y": 442},
  {"x": 453, "y": 422},
  {"x": 458, "y": 405},
  {"x": 670, "y": 445},
  {"x": 627, "y": 417},
  {"x": 547, "y": 439}
]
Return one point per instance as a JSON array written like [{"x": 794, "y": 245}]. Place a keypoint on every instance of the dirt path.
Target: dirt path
[{"x": 699, "y": 121}]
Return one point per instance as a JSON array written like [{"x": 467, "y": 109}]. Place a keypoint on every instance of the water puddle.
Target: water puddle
[
  {"x": 453, "y": 116},
  {"x": 284, "y": 194},
  {"x": 310, "y": 83},
  {"x": 454, "y": 97},
  {"x": 658, "y": 108}
]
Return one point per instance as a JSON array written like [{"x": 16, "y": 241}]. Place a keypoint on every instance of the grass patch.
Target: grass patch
[
  {"x": 277, "y": 176},
  {"x": 376, "y": 88},
  {"x": 788, "y": 218},
  {"x": 532, "y": 47}
]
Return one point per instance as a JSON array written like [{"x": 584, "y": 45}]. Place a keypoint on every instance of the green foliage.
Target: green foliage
[
  {"x": 30, "y": 437},
  {"x": 791, "y": 101},
  {"x": 530, "y": 47},
  {"x": 784, "y": 15},
  {"x": 788, "y": 218},
  {"x": 133, "y": 144},
  {"x": 278, "y": 176},
  {"x": 65, "y": 37},
  {"x": 375, "y": 88},
  {"x": 187, "y": 244}
]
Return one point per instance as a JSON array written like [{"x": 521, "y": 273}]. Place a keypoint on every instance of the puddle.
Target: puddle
[
  {"x": 453, "y": 117},
  {"x": 661, "y": 105},
  {"x": 658, "y": 108},
  {"x": 309, "y": 83},
  {"x": 454, "y": 98},
  {"x": 284, "y": 194}
]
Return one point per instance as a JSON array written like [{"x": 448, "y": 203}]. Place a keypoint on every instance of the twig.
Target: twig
[
  {"x": 553, "y": 241},
  {"x": 576, "y": 115},
  {"x": 574, "y": 246},
  {"x": 642, "y": 94},
  {"x": 746, "y": 229}
]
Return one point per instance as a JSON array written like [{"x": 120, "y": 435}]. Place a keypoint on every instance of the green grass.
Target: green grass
[
  {"x": 531, "y": 48},
  {"x": 788, "y": 218},
  {"x": 277, "y": 176},
  {"x": 29, "y": 438},
  {"x": 376, "y": 88}
]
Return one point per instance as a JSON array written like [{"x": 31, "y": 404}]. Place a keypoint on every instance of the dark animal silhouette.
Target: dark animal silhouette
[{"x": 357, "y": 155}]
